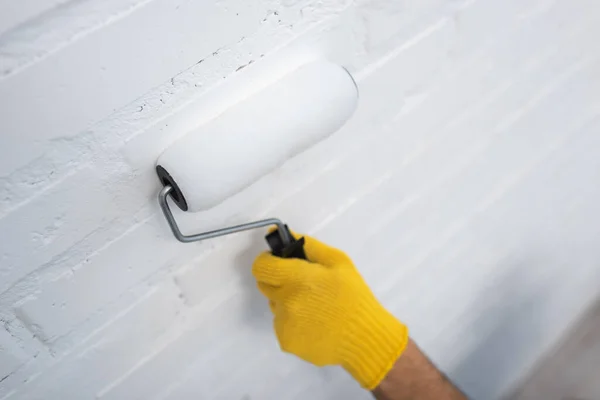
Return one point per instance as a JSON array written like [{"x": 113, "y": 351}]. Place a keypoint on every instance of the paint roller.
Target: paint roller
[{"x": 251, "y": 138}]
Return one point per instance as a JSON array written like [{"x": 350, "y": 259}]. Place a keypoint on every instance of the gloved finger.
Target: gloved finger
[
  {"x": 269, "y": 291},
  {"x": 321, "y": 253},
  {"x": 275, "y": 271}
]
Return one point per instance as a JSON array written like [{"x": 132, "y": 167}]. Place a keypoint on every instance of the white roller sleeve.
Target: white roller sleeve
[{"x": 259, "y": 133}]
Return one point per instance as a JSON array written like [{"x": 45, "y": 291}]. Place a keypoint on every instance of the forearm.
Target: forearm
[{"x": 415, "y": 377}]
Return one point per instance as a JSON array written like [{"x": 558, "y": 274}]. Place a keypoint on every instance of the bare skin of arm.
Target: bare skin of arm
[{"x": 414, "y": 377}]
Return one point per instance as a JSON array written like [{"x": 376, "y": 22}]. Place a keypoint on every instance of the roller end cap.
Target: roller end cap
[{"x": 167, "y": 180}]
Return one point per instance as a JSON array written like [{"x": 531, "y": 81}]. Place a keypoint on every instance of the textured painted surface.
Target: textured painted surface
[{"x": 464, "y": 187}]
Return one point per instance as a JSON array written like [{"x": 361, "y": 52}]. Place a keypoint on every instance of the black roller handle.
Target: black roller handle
[{"x": 294, "y": 249}]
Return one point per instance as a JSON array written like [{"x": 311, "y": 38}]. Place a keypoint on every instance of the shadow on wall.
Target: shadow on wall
[{"x": 507, "y": 333}]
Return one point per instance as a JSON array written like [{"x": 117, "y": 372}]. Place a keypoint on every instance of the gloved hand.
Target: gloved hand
[{"x": 326, "y": 314}]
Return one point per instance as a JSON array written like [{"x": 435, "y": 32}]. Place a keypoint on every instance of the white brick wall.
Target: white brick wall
[{"x": 464, "y": 187}]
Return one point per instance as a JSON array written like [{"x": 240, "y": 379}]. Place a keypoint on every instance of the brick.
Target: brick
[
  {"x": 62, "y": 304},
  {"x": 52, "y": 223},
  {"x": 116, "y": 347},
  {"x": 24, "y": 184},
  {"x": 412, "y": 64}
]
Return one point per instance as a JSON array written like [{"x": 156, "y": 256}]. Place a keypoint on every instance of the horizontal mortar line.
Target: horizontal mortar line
[
  {"x": 42, "y": 54},
  {"x": 348, "y": 203},
  {"x": 238, "y": 373},
  {"x": 498, "y": 192},
  {"x": 50, "y": 341},
  {"x": 81, "y": 347},
  {"x": 137, "y": 366},
  {"x": 43, "y": 190},
  {"x": 192, "y": 324},
  {"x": 546, "y": 54},
  {"x": 10, "y": 394},
  {"x": 456, "y": 251},
  {"x": 424, "y": 34},
  {"x": 38, "y": 273},
  {"x": 174, "y": 385}
]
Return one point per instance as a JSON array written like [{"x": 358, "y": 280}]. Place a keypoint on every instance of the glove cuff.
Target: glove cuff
[{"x": 373, "y": 342}]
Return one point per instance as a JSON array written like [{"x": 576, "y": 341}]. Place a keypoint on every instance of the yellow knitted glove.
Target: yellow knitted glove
[{"x": 326, "y": 314}]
